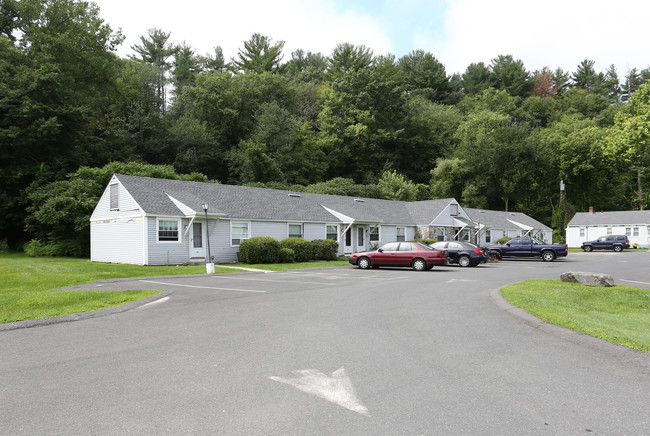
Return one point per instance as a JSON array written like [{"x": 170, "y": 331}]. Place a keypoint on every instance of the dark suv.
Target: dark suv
[{"x": 610, "y": 242}]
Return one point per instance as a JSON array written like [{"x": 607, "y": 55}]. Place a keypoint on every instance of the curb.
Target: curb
[
  {"x": 83, "y": 315},
  {"x": 619, "y": 352}
]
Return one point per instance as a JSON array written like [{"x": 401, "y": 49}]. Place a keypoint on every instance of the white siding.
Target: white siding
[
  {"x": 314, "y": 231},
  {"x": 127, "y": 206},
  {"x": 276, "y": 230},
  {"x": 387, "y": 234},
  {"x": 117, "y": 241},
  {"x": 167, "y": 253},
  {"x": 574, "y": 240},
  {"x": 410, "y": 233}
]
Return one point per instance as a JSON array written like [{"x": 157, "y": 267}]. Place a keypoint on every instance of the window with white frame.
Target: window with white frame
[
  {"x": 628, "y": 231},
  {"x": 114, "y": 191},
  {"x": 374, "y": 234},
  {"x": 488, "y": 236},
  {"x": 239, "y": 231},
  {"x": 582, "y": 232},
  {"x": 464, "y": 235},
  {"x": 609, "y": 230},
  {"x": 635, "y": 231},
  {"x": 440, "y": 233},
  {"x": 332, "y": 232},
  {"x": 453, "y": 209},
  {"x": 168, "y": 230},
  {"x": 295, "y": 230},
  {"x": 401, "y": 234}
]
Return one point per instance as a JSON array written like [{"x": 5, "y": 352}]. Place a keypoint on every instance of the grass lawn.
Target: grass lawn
[
  {"x": 26, "y": 281},
  {"x": 620, "y": 314}
]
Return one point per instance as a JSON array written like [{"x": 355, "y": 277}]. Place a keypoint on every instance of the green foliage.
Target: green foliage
[
  {"x": 503, "y": 240},
  {"x": 324, "y": 249},
  {"x": 4, "y": 246},
  {"x": 394, "y": 186},
  {"x": 287, "y": 255},
  {"x": 259, "y": 55},
  {"x": 302, "y": 249},
  {"x": 260, "y": 249},
  {"x": 426, "y": 241}
]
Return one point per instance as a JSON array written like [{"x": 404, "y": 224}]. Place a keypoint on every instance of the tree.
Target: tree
[
  {"x": 347, "y": 58},
  {"x": 630, "y": 138},
  {"x": 214, "y": 63},
  {"x": 424, "y": 74},
  {"x": 57, "y": 77},
  {"x": 511, "y": 75},
  {"x": 155, "y": 50},
  {"x": 476, "y": 78},
  {"x": 394, "y": 186},
  {"x": 259, "y": 55},
  {"x": 186, "y": 67},
  {"x": 585, "y": 77},
  {"x": 306, "y": 67}
]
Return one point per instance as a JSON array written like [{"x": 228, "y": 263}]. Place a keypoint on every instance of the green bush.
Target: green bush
[
  {"x": 343, "y": 258},
  {"x": 4, "y": 246},
  {"x": 37, "y": 248},
  {"x": 503, "y": 240},
  {"x": 324, "y": 249},
  {"x": 261, "y": 249},
  {"x": 426, "y": 241},
  {"x": 302, "y": 248},
  {"x": 287, "y": 255}
]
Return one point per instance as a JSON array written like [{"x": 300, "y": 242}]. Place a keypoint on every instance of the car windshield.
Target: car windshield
[{"x": 425, "y": 247}]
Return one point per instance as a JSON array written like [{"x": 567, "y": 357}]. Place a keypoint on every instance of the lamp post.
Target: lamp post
[{"x": 209, "y": 265}]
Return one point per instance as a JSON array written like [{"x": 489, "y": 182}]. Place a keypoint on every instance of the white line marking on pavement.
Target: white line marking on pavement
[
  {"x": 459, "y": 280},
  {"x": 227, "y": 277},
  {"x": 201, "y": 287},
  {"x": 163, "y": 299},
  {"x": 634, "y": 281},
  {"x": 337, "y": 389}
]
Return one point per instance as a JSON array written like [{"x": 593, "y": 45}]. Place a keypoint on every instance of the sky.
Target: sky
[{"x": 541, "y": 33}]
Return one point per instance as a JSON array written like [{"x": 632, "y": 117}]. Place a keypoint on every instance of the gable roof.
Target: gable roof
[
  {"x": 504, "y": 220},
  {"x": 630, "y": 217},
  {"x": 243, "y": 202}
]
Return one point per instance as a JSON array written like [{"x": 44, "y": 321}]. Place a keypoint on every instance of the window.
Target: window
[
  {"x": 332, "y": 232},
  {"x": 295, "y": 230},
  {"x": 582, "y": 232},
  {"x": 115, "y": 196},
  {"x": 488, "y": 236},
  {"x": 390, "y": 247},
  {"x": 168, "y": 230},
  {"x": 440, "y": 233},
  {"x": 628, "y": 231},
  {"x": 374, "y": 234},
  {"x": 401, "y": 234},
  {"x": 406, "y": 247},
  {"x": 360, "y": 236},
  {"x": 609, "y": 230},
  {"x": 239, "y": 232},
  {"x": 635, "y": 231},
  {"x": 464, "y": 235},
  {"x": 453, "y": 209}
]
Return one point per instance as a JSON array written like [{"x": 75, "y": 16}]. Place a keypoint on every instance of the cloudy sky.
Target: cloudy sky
[{"x": 541, "y": 33}]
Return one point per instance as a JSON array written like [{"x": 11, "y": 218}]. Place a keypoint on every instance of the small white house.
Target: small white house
[
  {"x": 588, "y": 226},
  {"x": 493, "y": 225},
  {"x": 147, "y": 221}
]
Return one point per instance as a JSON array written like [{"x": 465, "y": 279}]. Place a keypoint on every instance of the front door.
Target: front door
[
  {"x": 196, "y": 241},
  {"x": 348, "y": 240},
  {"x": 361, "y": 242}
]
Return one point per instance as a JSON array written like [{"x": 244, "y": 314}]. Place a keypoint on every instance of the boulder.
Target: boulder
[{"x": 587, "y": 278}]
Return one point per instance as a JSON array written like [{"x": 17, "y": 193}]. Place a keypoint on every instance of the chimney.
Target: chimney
[{"x": 591, "y": 210}]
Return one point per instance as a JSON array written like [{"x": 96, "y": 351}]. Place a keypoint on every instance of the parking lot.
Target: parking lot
[{"x": 329, "y": 351}]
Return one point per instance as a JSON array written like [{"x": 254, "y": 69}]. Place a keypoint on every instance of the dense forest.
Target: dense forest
[{"x": 350, "y": 122}]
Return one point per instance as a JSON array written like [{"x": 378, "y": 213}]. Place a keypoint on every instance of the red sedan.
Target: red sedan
[{"x": 414, "y": 254}]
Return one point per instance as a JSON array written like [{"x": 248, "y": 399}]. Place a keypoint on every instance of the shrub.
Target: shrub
[
  {"x": 324, "y": 249},
  {"x": 426, "y": 241},
  {"x": 503, "y": 240},
  {"x": 4, "y": 246},
  {"x": 37, "y": 248},
  {"x": 287, "y": 255},
  {"x": 261, "y": 249},
  {"x": 343, "y": 258},
  {"x": 301, "y": 248}
]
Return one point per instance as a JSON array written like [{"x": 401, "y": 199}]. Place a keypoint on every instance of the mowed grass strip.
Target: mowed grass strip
[
  {"x": 25, "y": 283},
  {"x": 620, "y": 314}
]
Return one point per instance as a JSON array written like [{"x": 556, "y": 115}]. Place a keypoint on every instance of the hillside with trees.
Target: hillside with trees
[{"x": 350, "y": 122}]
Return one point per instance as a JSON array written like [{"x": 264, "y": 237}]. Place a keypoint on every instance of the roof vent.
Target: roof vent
[
  {"x": 358, "y": 200},
  {"x": 293, "y": 195}
]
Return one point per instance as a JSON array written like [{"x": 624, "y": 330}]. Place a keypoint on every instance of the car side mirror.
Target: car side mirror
[
  {"x": 380, "y": 250},
  {"x": 507, "y": 245}
]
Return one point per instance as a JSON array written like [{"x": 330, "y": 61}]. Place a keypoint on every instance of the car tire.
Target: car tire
[
  {"x": 548, "y": 256},
  {"x": 618, "y": 248},
  {"x": 419, "y": 264},
  {"x": 364, "y": 263},
  {"x": 464, "y": 261},
  {"x": 588, "y": 248}
]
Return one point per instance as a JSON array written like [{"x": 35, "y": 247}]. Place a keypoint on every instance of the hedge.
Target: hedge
[
  {"x": 261, "y": 249},
  {"x": 302, "y": 249},
  {"x": 325, "y": 249}
]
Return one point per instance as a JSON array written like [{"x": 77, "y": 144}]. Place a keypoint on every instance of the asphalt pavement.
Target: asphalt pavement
[{"x": 329, "y": 351}]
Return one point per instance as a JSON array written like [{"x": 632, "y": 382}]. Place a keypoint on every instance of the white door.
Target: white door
[{"x": 196, "y": 241}]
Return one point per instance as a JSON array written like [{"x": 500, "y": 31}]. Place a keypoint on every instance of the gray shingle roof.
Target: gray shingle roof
[
  {"x": 631, "y": 217},
  {"x": 503, "y": 220}
]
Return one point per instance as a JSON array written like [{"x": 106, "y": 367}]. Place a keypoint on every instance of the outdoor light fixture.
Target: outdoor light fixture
[{"x": 209, "y": 265}]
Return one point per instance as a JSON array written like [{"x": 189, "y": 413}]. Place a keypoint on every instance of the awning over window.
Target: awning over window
[{"x": 461, "y": 222}]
